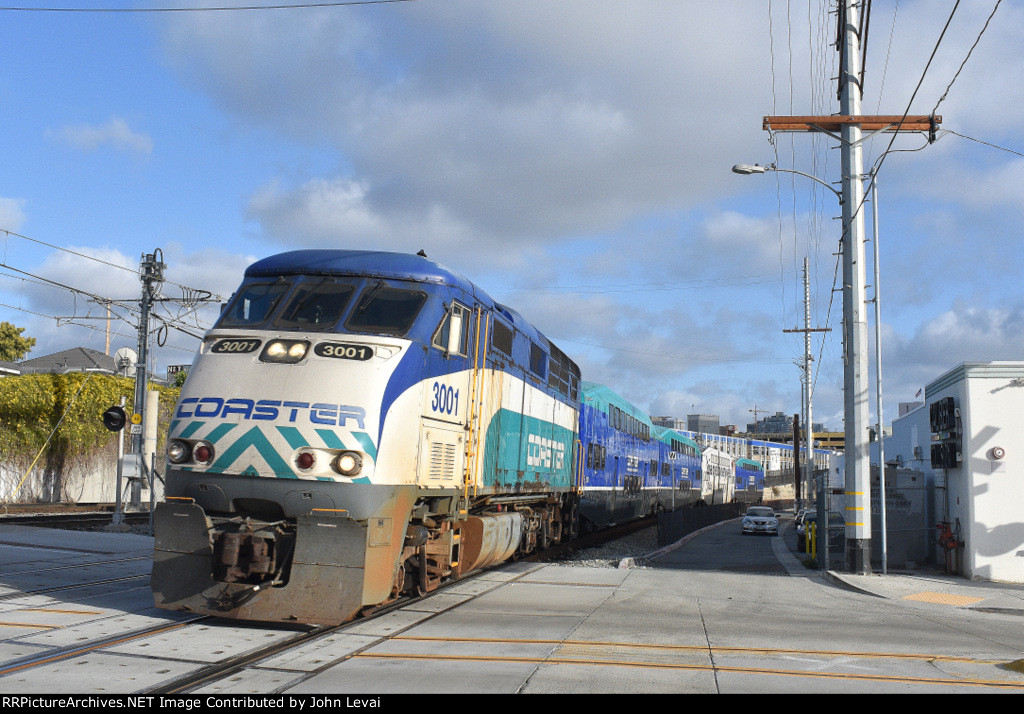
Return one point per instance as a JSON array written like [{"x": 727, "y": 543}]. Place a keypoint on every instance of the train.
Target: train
[{"x": 360, "y": 426}]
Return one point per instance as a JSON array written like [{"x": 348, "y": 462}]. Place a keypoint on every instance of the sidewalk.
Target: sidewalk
[{"x": 926, "y": 585}]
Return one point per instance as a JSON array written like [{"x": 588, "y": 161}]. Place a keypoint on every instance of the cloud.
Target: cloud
[
  {"x": 537, "y": 144},
  {"x": 12, "y": 214},
  {"x": 517, "y": 130},
  {"x": 61, "y": 319},
  {"x": 114, "y": 133}
]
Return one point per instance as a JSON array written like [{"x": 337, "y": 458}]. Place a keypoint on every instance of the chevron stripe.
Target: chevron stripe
[
  {"x": 293, "y": 436},
  {"x": 256, "y": 439}
]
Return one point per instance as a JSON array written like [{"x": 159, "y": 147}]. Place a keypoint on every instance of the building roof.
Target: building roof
[{"x": 76, "y": 359}]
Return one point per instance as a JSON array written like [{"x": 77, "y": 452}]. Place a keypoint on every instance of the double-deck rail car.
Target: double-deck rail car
[
  {"x": 718, "y": 482},
  {"x": 620, "y": 458},
  {"x": 749, "y": 481},
  {"x": 680, "y": 464},
  {"x": 358, "y": 425}
]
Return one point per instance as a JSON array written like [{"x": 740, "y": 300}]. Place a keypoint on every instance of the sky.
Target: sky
[{"x": 571, "y": 157}]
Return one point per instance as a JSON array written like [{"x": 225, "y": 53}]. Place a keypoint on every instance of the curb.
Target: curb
[{"x": 642, "y": 560}]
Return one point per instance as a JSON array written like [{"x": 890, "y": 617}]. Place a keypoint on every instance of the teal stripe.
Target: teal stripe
[
  {"x": 220, "y": 431},
  {"x": 293, "y": 436},
  {"x": 331, "y": 439},
  {"x": 367, "y": 443},
  {"x": 255, "y": 438},
  {"x": 191, "y": 429}
]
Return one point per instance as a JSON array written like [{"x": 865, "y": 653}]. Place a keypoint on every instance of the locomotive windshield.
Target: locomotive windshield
[
  {"x": 252, "y": 304},
  {"x": 320, "y": 305},
  {"x": 315, "y": 307},
  {"x": 385, "y": 309}
]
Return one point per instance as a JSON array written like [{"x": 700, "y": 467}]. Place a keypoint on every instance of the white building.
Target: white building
[{"x": 967, "y": 442}]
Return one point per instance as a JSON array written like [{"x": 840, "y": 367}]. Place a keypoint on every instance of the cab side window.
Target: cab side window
[{"x": 452, "y": 335}]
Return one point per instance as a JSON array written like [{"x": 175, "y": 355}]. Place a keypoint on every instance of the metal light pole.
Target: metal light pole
[
  {"x": 822, "y": 511},
  {"x": 878, "y": 375}
]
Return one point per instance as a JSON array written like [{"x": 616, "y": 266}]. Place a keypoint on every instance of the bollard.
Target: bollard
[{"x": 811, "y": 539}]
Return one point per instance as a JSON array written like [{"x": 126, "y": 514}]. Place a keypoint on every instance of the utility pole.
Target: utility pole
[
  {"x": 849, "y": 124},
  {"x": 807, "y": 391},
  {"x": 151, "y": 273}
]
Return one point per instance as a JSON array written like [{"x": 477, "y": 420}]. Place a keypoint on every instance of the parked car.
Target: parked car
[
  {"x": 836, "y": 529},
  {"x": 760, "y": 519}
]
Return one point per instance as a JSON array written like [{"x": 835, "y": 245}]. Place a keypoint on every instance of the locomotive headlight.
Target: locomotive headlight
[
  {"x": 348, "y": 463},
  {"x": 284, "y": 351},
  {"x": 178, "y": 451},
  {"x": 203, "y": 453}
]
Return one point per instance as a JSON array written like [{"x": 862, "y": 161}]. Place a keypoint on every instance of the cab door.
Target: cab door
[{"x": 446, "y": 403}]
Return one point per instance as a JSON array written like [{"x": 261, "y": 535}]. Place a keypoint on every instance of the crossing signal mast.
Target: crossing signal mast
[
  {"x": 151, "y": 273},
  {"x": 847, "y": 128}
]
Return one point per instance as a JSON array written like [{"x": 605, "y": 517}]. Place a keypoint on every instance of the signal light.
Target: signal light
[
  {"x": 115, "y": 419},
  {"x": 305, "y": 460},
  {"x": 203, "y": 453}
]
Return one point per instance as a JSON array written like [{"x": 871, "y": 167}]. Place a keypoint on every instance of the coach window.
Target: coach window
[
  {"x": 253, "y": 303},
  {"x": 452, "y": 335},
  {"x": 385, "y": 309}
]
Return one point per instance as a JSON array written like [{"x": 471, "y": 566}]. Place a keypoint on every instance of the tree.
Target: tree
[{"x": 12, "y": 345}]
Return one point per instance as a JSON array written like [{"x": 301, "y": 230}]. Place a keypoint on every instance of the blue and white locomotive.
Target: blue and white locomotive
[{"x": 360, "y": 425}]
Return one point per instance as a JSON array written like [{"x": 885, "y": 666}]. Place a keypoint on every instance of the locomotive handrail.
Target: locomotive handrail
[
  {"x": 470, "y": 443},
  {"x": 578, "y": 459}
]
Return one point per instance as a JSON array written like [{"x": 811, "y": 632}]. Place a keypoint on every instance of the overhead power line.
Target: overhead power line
[
  {"x": 218, "y": 8},
  {"x": 190, "y": 295}
]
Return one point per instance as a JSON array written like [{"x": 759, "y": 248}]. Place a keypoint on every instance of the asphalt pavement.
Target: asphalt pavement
[{"x": 924, "y": 585}]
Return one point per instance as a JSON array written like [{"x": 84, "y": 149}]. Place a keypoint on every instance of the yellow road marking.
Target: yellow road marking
[
  {"x": 434, "y": 656},
  {"x": 30, "y": 625},
  {"x": 943, "y": 598},
  {"x": 698, "y": 648}
]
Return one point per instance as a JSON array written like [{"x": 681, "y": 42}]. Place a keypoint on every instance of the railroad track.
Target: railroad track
[
  {"x": 67, "y": 517},
  {"x": 232, "y": 666},
  {"x": 592, "y": 540}
]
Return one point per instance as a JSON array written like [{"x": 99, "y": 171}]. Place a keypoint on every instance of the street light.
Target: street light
[
  {"x": 851, "y": 381},
  {"x": 822, "y": 509},
  {"x": 748, "y": 169}
]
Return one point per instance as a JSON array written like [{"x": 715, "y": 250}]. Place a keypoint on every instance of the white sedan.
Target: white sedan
[{"x": 760, "y": 519}]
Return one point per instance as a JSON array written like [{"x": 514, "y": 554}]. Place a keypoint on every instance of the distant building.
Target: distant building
[
  {"x": 77, "y": 359},
  {"x": 779, "y": 423},
  {"x": 702, "y": 423},
  {"x": 907, "y": 407},
  {"x": 8, "y": 369},
  {"x": 669, "y": 422}
]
